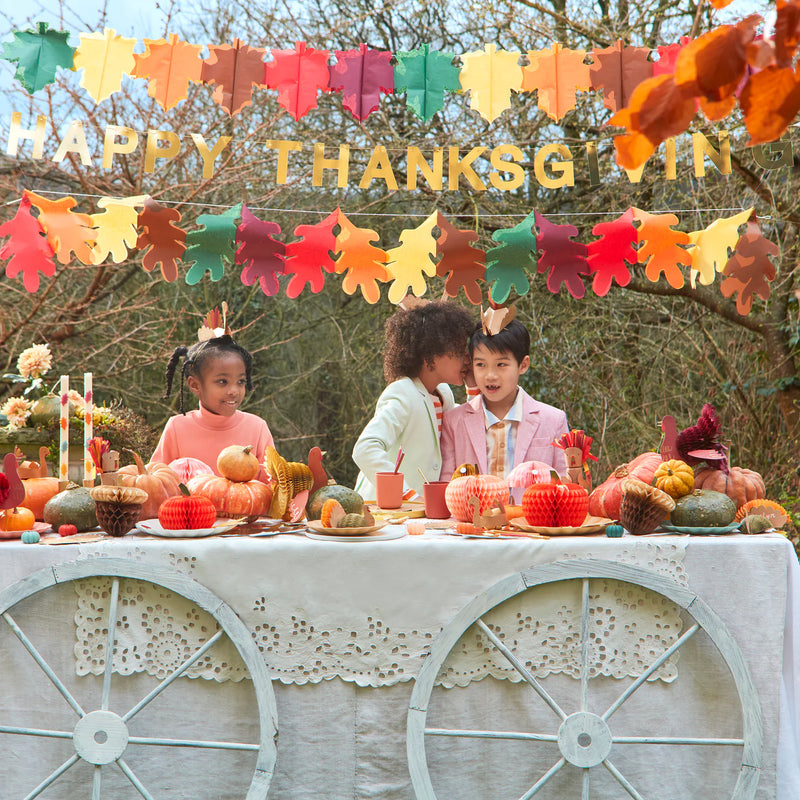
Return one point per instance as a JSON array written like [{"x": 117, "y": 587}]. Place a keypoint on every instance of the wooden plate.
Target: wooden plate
[
  {"x": 316, "y": 526},
  {"x": 590, "y": 525}
]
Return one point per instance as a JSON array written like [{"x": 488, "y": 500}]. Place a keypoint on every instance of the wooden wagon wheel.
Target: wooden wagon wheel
[
  {"x": 100, "y": 736},
  {"x": 585, "y": 740}
]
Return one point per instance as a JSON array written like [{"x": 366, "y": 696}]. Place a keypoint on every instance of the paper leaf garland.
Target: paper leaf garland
[
  {"x": 38, "y": 53},
  {"x": 210, "y": 247},
  {"x": 660, "y": 249},
  {"x": 490, "y": 76},
  {"x": 170, "y": 66},
  {"x": 710, "y": 253},
  {"x": 104, "y": 57},
  {"x": 262, "y": 256},
  {"x": 412, "y": 260},
  {"x": 425, "y": 75},
  {"x": 564, "y": 257},
  {"x": 298, "y": 75},
  {"x": 361, "y": 260},
  {"x": 116, "y": 228},
  {"x": 618, "y": 70},
  {"x": 460, "y": 263},
  {"x": 235, "y": 69},
  {"x": 67, "y": 231},
  {"x": 508, "y": 264},
  {"x": 28, "y": 248},
  {"x": 361, "y": 75},
  {"x": 608, "y": 254},
  {"x": 770, "y": 101},
  {"x": 749, "y": 270},
  {"x": 557, "y": 73},
  {"x": 162, "y": 241},
  {"x": 307, "y": 258}
]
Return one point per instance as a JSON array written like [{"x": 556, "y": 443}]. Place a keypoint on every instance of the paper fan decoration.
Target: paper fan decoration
[{"x": 289, "y": 479}]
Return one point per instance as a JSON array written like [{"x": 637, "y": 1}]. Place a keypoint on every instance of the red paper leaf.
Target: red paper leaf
[
  {"x": 361, "y": 75},
  {"x": 67, "y": 231},
  {"x": 461, "y": 263},
  {"x": 307, "y": 258},
  {"x": 363, "y": 263},
  {"x": 668, "y": 56},
  {"x": 162, "y": 241},
  {"x": 749, "y": 269},
  {"x": 608, "y": 254},
  {"x": 262, "y": 256},
  {"x": 235, "y": 69},
  {"x": 564, "y": 257},
  {"x": 298, "y": 75},
  {"x": 787, "y": 31},
  {"x": 618, "y": 70},
  {"x": 770, "y": 101},
  {"x": 661, "y": 249},
  {"x": 28, "y": 248}
]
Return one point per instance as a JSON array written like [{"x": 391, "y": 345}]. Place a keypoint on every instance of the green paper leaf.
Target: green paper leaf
[
  {"x": 425, "y": 75},
  {"x": 210, "y": 247},
  {"x": 508, "y": 264},
  {"x": 38, "y": 53}
]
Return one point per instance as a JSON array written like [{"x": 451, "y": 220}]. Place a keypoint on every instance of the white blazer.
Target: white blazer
[{"x": 404, "y": 417}]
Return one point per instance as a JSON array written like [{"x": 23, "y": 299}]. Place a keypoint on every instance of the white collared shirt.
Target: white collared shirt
[{"x": 514, "y": 417}]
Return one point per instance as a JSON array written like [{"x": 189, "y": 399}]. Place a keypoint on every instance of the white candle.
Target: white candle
[
  {"x": 63, "y": 450},
  {"x": 88, "y": 427}
]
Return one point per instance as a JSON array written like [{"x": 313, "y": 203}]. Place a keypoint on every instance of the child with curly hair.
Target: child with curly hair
[{"x": 424, "y": 351}]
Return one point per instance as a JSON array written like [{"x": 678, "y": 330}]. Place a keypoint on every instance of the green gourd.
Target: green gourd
[
  {"x": 703, "y": 508},
  {"x": 351, "y": 501},
  {"x": 72, "y": 506}
]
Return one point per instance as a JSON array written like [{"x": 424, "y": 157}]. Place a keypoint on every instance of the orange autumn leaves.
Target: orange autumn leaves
[{"x": 729, "y": 64}]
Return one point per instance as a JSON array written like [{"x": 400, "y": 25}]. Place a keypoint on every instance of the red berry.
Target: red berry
[{"x": 67, "y": 530}]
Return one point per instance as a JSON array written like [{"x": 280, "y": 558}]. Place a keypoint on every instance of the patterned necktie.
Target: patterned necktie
[{"x": 499, "y": 431}]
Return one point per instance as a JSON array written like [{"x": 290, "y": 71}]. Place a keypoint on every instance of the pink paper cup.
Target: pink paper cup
[
  {"x": 435, "y": 506},
  {"x": 389, "y": 489}
]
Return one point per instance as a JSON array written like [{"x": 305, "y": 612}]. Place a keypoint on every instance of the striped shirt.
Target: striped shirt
[{"x": 438, "y": 408}]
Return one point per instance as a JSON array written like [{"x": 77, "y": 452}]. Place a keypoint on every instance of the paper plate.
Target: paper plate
[
  {"x": 39, "y": 527},
  {"x": 154, "y": 528},
  {"x": 317, "y": 527},
  {"x": 399, "y": 533},
  {"x": 665, "y": 526},
  {"x": 590, "y": 525}
]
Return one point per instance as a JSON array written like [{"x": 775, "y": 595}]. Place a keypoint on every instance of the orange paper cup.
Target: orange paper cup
[
  {"x": 435, "y": 506},
  {"x": 389, "y": 489}
]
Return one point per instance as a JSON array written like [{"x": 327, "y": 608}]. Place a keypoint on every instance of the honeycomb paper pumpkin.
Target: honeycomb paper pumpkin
[
  {"x": 489, "y": 490},
  {"x": 555, "y": 505}
]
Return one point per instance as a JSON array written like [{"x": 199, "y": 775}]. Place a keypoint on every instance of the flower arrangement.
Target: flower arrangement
[{"x": 32, "y": 364}]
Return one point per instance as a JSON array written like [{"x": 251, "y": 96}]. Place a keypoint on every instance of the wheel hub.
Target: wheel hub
[
  {"x": 584, "y": 739},
  {"x": 100, "y": 737}
]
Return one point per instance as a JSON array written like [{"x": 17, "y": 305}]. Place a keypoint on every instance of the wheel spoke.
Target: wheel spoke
[
  {"x": 192, "y": 743},
  {"x": 138, "y": 785},
  {"x": 52, "y": 777},
  {"x": 476, "y": 734},
  {"x": 650, "y": 670},
  {"x": 173, "y": 676},
  {"x": 35, "y": 732},
  {"x": 623, "y": 781},
  {"x": 97, "y": 782},
  {"x": 543, "y": 780},
  {"x": 674, "y": 740},
  {"x": 519, "y": 667},
  {"x": 585, "y": 784},
  {"x": 45, "y": 667},
  {"x": 584, "y": 643},
  {"x": 112, "y": 632}
]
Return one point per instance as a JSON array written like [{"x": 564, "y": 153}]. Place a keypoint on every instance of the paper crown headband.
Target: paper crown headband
[
  {"x": 215, "y": 324},
  {"x": 493, "y": 320}
]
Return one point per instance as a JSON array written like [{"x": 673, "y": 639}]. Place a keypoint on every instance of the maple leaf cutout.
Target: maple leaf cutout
[
  {"x": 361, "y": 260},
  {"x": 162, "y": 241},
  {"x": 298, "y": 75},
  {"x": 618, "y": 70},
  {"x": 104, "y": 57},
  {"x": 115, "y": 228},
  {"x": 508, "y": 264},
  {"x": 770, "y": 101},
  {"x": 749, "y": 270},
  {"x": 235, "y": 69},
  {"x": 361, "y": 75},
  {"x": 211, "y": 247},
  {"x": 490, "y": 76},
  {"x": 460, "y": 263},
  {"x": 28, "y": 249},
  {"x": 660, "y": 247},
  {"x": 170, "y": 65},
  {"x": 38, "y": 52},
  {"x": 308, "y": 258},
  {"x": 606, "y": 256},
  {"x": 557, "y": 74},
  {"x": 711, "y": 244},
  {"x": 425, "y": 75},
  {"x": 262, "y": 256},
  {"x": 564, "y": 257},
  {"x": 67, "y": 231},
  {"x": 412, "y": 260}
]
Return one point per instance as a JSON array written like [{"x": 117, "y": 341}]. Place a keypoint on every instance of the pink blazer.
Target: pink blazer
[{"x": 464, "y": 435}]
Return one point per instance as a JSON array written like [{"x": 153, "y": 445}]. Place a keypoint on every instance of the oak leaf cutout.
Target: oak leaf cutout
[
  {"x": 749, "y": 269},
  {"x": 260, "y": 254},
  {"x": 104, "y": 57},
  {"x": 425, "y": 75},
  {"x": 618, "y": 70},
  {"x": 210, "y": 247},
  {"x": 557, "y": 74},
  {"x": 235, "y": 69},
  {"x": 770, "y": 101},
  {"x": 160, "y": 239},
  {"x": 562, "y": 255},
  {"x": 361, "y": 75},
  {"x": 27, "y": 248},
  {"x": 660, "y": 247},
  {"x": 298, "y": 76},
  {"x": 609, "y": 255},
  {"x": 509, "y": 265},
  {"x": 460, "y": 262},
  {"x": 412, "y": 260},
  {"x": 311, "y": 256},
  {"x": 490, "y": 76},
  {"x": 711, "y": 246},
  {"x": 363, "y": 263},
  {"x": 38, "y": 52},
  {"x": 170, "y": 65},
  {"x": 67, "y": 231},
  {"x": 115, "y": 228}
]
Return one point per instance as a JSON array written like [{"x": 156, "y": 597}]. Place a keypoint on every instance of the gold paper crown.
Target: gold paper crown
[
  {"x": 493, "y": 320},
  {"x": 215, "y": 324}
]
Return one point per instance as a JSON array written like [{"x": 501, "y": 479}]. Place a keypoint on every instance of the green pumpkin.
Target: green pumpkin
[
  {"x": 351, "y": 501},
  {"x": 703, "y": 508},
  {"x": 47, "y": 409},
  {"x": 73, "y": 506}
]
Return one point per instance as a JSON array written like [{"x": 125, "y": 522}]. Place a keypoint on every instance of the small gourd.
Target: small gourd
[
  {"x": 351, "y": 521},
  {"x": 30, "y": 537},
  {"x": 614, "y": 531},
  {"x": 238, "y": 463},
  {"x": 675, "y": 477}
]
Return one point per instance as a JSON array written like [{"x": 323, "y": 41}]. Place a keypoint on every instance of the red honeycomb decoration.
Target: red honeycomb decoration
[
  {"x": 487, "y": 488},
  {"x": 186, "y": 511},
  {"x": 555, "y": 504}
]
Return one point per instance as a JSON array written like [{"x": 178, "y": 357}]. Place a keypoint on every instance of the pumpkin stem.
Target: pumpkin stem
[
  {"x": 184, "y": 489},
  {"x": 554, "y": 477},
  {"x": 248, "y": 449},
  {"x": 138, "y": 459}
]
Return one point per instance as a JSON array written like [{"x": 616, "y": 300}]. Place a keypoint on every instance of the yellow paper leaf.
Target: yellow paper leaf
[
  {"x": 115, "y": 228},
  {"x": 490, "y": 76},
  {"x": 710, "y": 247},
  {"x": 105, "y": 58},
  {"x": 412, "y": 260}
]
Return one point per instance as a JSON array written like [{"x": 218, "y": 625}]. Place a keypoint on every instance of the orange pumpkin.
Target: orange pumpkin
[
  {"x": 157, "y": 479},
  {"x": 739, "y": 484},
  {"x": 237, "y": 463},
  {"x": 38, "y": 487},
  {"x": 233, "y": 498},
  {"x": 14, "y": 520},
  {"x": 489, "y": 489},
  {"x": 605, "y": 500}
]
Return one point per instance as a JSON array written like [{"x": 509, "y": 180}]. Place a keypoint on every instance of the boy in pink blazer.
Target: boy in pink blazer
[{"x": 503, "y": 426}]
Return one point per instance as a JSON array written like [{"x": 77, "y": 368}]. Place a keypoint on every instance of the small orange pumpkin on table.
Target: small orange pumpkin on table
[{"x": 157, "y": 479}]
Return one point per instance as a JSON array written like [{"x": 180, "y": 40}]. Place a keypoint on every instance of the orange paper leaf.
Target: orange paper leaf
[
  {"x": 170, "y": 65},
  {"x": 770, "y": 101},
  {"x": 67, "y": 231},
  {"x": 362, "y": 261},
  {"x": 162, "y": 241},
  {"x": 557, "y": 73},
  {"x": 661, "y": 249}
]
